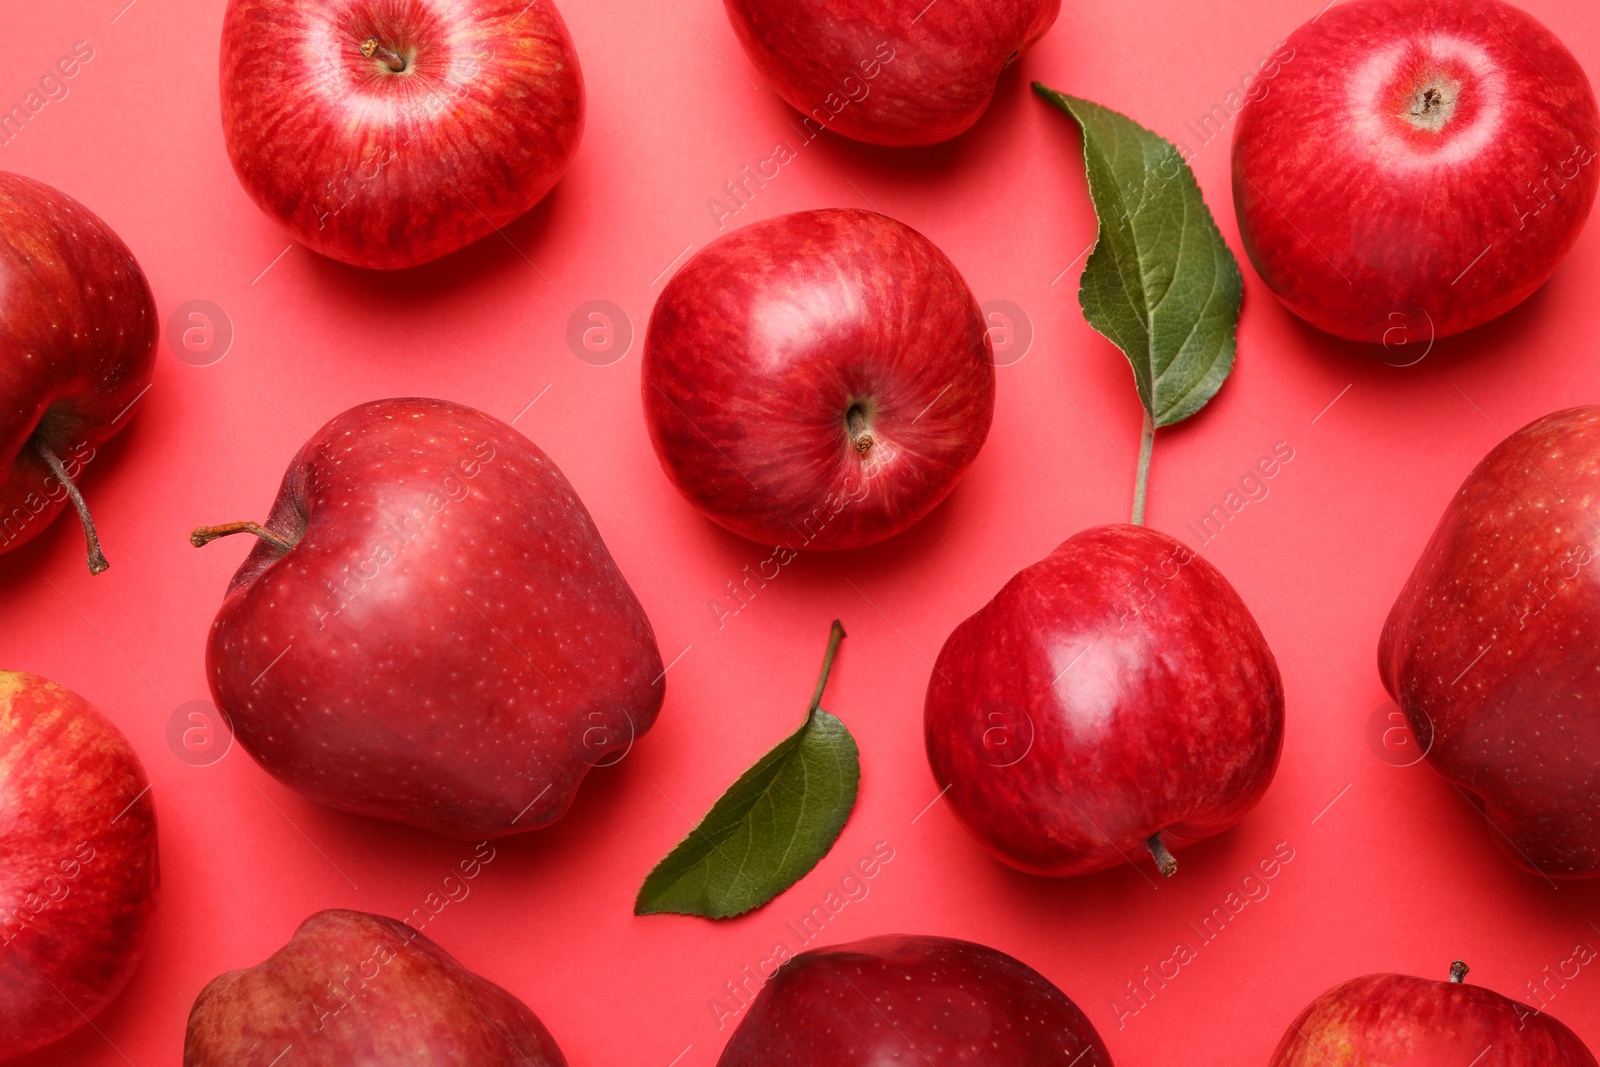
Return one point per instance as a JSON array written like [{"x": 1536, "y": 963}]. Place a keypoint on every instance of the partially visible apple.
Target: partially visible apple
[
  {"x": 819, "y": 380},
  {"x": 429, "y": 628},
  {"x": 76, "y": 352},
  {"x": 1115, "y": 698},
  {"x": 389, "y": 134},
  {"x": 1415, "y": 169},
  {"x": 912, "y": 999},
  {"x": 1489, "y": 652},
  {"x": 356, "y": 989},
  {"x": 1396, "y": 1020},
  {"x": 889, "y": 72},
  {"x": 78, "y": 863}
]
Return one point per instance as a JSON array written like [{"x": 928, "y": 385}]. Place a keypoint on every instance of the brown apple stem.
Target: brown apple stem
[
  {"x": 390, "y": 58},
  {"x": 204, "y": 535},
  {"x": 1166, "y": 863},
  {"x": 1458, "y": 971},
  {"x": 856, "y": 423},
  {"x": 97, "y": 558},
  {"x": 1141, "y": 477},
  {"x": 835, "y": 635}
]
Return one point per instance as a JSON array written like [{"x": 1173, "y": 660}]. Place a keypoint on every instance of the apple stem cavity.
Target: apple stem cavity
[
  {"x": 1458, "y": 971},
  {"x": 97, "y": 558},
  {"x": 389, "y": 57},
  {"x": 204, "y": 535},
  {"x": 1141, "y": 479},
  {"x": 1166, "y": 862},
  {"x": 835, "y": 635},
  {"x": 856, "y": 424}
]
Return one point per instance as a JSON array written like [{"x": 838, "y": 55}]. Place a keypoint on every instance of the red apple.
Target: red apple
[
  {"x": 1395, "y": 1020},
  {"x": 1415, "y": 170},
  {"x": 429, "y": 628},
  {"x": 1487, "y": 649},
  {"x": 913, "y": 1000},
  {"x": 355, "y": 989},
  {"x": 78, "y": 868},
  {"x": 1114, "y": 697},
  {"x": 819, "y": 380},
  {"x": 889, "y": 72},
  {"x": 76, "y": 353},
  {"x": 389, "y": 134}
]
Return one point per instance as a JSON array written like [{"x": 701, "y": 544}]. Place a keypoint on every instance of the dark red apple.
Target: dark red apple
[
  {"x": 387, "y": 134},
  {"x": 889, "y": 72},
  {"x": 1415, "y": 170},
  {"x": 1396, "y": 1020},
  {"x": 1115, "y": 697},
  {"x": 819, "y": 380},
  {"x": 77, "y": 347},
  {"x": 1489, "y": 648},
  {"x": 914, "y": 1000},
  {"x": 78, "y": 866},
  {"x": 430, "y": 629},
  {"x": 351, "y": 988}
]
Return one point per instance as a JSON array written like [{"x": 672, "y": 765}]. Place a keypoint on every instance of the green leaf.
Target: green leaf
[
  {"x": 770, "y": 828},
  {"x": 1161, "y": 283}
]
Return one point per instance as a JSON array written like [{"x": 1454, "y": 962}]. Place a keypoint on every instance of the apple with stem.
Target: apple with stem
[
  {"x": 78, "y": 862},
  {"x": 387, "y": 135},
  {"x": 1415, "y": 170},
  {"x": 429, "y": 628},
  {"x": 1484, "y": 648},
  {"x": 820, "y": 380},
  {"x": 889, "y": 72},
  {"x": 76, "y": 354}
]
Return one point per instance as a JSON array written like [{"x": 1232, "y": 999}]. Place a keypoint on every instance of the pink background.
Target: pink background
[{"x": 1398, "y": 874}]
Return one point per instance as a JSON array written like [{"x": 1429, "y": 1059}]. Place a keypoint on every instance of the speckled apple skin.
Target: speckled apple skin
[
  {"x": 913, "y": 1000},
  {"x": 1115, "y": 689},
  {"x": 1396, "y": 1020},
  {"x": 1372, "y": 229},
  {"x": 388, "y": 170},
  {"x": 1491, "y": 647},
  {"x": 77, "y": 346},
  {"x": 889, "y": 72},
  {"x": 465, "y": 680},
  {"x": 759, "y": 347},
  {"x": 78, "y": 862},
  {"x": 355, "y": 989}
]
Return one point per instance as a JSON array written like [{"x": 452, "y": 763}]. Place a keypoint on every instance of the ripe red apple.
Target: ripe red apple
[
  {"x": 1415, "y": 170},
  {"x": 912, "y": 999},
  {"x": 1114, "y": 697},
  {"x": 1487, "y": 648},
  {"x": 76, "y": 353},
  {"x": 889, "y": 72},
  {"x": 819, "y": 380},
  {"x": 351, "y": 988},
  {"x": 429, "y": 628},
  {"x": 390, "y": 134},
  {"x": 1396, "y": 1020},
  {"x": 78, "y": 867}
]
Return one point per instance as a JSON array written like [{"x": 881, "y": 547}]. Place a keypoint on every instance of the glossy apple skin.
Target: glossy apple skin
[
  {"x": 1116, "y": 689},
  {"x": 78, "y": 862},
  {"x": 77, "y": 346},
  {"x": 1396, "y": 1020},
  {"x": 1371, "y": 227},
  {"x": 457, "y": 645},
  {"x": 912, "y": 999},
  {"x": 875, "y": 71},
  {"x": 355, "y": 989},
  {"x": 384, "y": 169},
  {"x": 1487, "y": 648},
  {"x": 759, "y": 348}
]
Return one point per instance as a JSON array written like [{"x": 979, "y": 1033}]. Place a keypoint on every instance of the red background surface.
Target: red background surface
[{"x": 1398, "y": 874}]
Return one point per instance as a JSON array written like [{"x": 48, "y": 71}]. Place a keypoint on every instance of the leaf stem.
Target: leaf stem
[
  {"x": 1141, "y": 479},
  {"x": 97, "y": 558},
  {"x": 835, "y": 635}
]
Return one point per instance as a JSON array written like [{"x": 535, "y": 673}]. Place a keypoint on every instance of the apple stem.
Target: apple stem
[
  {"x": 1458, "y": 971},
  {"x": 835, "y": 635},
  {"x": 391, "y": 59},
  {"x": 856, "y": 423},
  {"x": 1141, "y": 478},
  {"x": 204, "y": 535},
  {"x": 97, "y": 558},
  {"x": 1166, "y": 863}
]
